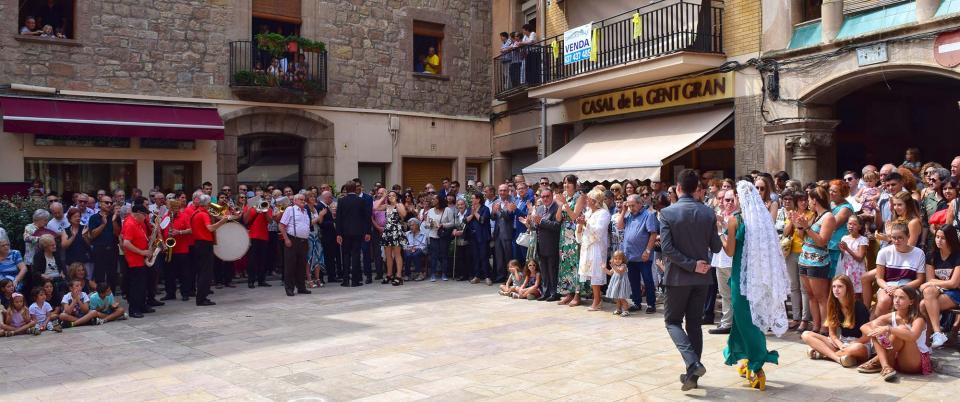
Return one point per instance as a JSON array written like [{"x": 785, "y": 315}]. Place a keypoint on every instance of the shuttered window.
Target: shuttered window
[
  {"x": 417, "y": 172},
  {"x": 852, "y": 6}
]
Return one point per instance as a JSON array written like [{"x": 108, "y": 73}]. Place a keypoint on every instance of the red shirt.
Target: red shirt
[
  {"x": 199, "y": 223},
  {"x": 136, "y": 233},
  {"x": 258, "y": 226},
  {"x": 184, "y": 241}
]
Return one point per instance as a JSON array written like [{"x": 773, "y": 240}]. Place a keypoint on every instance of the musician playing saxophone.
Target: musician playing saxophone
[
  {"x": 136, "y": 247},
  {"x": 203, "y": 229}
]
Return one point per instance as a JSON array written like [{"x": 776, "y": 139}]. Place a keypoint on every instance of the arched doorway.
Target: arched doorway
[
  {"x": 879, "y": 121},
  {"x": 270, "y": 158}
]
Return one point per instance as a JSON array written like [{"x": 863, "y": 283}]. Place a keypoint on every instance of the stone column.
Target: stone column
[
  {"x": 831, "y": 17},
  {"x": 501, "y": 168},
  {"x": 802, "y": 140},
  {"x": 926, "y": 9}
]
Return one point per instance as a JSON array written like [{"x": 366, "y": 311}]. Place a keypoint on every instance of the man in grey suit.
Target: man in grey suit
[
  {"x": 503, "y": 212},
  {"x": 688, "y": 234},
  {"x": 548, "y": 244}
]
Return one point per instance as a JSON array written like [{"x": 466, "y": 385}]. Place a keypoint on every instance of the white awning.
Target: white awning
[{"x": 633, "y": 149}]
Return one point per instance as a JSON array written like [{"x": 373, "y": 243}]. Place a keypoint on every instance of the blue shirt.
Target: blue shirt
[{"x": 636, "y": 233}]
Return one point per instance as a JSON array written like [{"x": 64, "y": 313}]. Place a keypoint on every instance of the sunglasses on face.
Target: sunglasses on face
[
  {"x": 106, "y": 202},
  {"x": 849, "y": 178},
  {"x": 728, "y": 200}
]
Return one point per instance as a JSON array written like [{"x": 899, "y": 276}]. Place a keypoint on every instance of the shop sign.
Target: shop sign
[
  {"x": 946, "y": 49},
  {"x": 687, "y": 91},
  {"x": 576, "y": 44},
  {"x": 872, "y": 54}
]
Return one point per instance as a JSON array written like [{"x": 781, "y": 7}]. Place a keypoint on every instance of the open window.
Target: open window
[
  {"x": 810, "y": 10},
  {"x": 428, "y": 47},
  {"x": 47, "y": 18}
]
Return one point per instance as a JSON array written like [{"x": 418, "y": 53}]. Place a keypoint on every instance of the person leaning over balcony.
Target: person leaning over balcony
[
  {"x": 506, "y": 56},
  {"x": 30, "y": 27}
]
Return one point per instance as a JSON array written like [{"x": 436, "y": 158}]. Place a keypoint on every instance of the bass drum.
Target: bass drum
[{"x": 232, "y": 242}]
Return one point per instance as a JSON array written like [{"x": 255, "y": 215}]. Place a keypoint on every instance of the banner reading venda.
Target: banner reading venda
[
  {"x": 687, "y": 91},
  {"x": 576, "y": 44}
]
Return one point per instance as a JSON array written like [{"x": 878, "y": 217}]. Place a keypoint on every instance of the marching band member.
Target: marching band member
[
  {"x": 136, "y": 248},
  {"x": 203, "y": 236},
  {"x": 257, "y": 220},
  {"x": 171, "y": 270}
]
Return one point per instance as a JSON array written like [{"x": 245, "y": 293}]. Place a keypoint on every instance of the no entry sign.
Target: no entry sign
[{"x": 946, "y": 49}]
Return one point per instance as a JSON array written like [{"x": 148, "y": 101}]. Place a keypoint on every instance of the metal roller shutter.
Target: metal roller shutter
[
  {"x": 852, "y": 6},
  {"x": 417, "y": 172}
]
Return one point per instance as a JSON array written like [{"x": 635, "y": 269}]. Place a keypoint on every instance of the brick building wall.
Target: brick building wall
[
  {"x": 748, "y": 138},
  {"x": 555, "y": 19},
  {"x": 180, "y": 48},
  {"x": 741, "y": 27}
]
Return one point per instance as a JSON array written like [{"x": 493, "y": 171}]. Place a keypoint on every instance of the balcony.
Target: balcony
[
  {"x": 299, "y": 74},
  {"x": 660, "y": 40}
]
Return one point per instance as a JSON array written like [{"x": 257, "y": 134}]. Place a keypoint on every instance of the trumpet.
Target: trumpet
[
  {"x": 282, "y": 203},
  {"x": 217, "y": 210},
  {"x": 261, "y": 205},
  {"x": 170, "y": 243}
]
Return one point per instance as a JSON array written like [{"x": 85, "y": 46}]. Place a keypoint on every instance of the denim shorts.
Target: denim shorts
[
  {"x": 953, "y": 294},
  {"x": 815, "y": 272}
]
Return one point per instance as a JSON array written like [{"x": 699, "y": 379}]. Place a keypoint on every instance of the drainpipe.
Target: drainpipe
[
  {"x": 926, "y": 9},
  {"x": 831, "y": 17},
  {"x": 542, "y": 144}
]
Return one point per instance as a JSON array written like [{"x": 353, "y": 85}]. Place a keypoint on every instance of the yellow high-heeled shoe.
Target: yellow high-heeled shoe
[
  {"x": 759, "y": 380},
  {"x": 742, "y": 369}
]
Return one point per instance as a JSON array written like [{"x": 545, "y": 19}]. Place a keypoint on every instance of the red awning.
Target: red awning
[{"x": 99, "y": 119}]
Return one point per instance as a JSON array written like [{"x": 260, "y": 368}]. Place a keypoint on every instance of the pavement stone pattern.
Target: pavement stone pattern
[{"x": 444, "y": 341}]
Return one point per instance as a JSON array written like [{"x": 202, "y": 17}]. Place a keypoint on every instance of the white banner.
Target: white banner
[{"x": 576, "y": 44}]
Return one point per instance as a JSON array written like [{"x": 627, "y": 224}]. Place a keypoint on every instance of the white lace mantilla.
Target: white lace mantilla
[{"x": 763, "y": 271}]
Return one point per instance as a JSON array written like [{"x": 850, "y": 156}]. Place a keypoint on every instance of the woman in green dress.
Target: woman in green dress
[
  {"x": 758, "y": 285},
  {"x": 569, "y": 212}
]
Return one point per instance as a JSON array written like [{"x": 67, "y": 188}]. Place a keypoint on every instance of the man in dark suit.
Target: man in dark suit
[
  {"x": 548, "y": 244},
  {"x": 328, "y": 236},
  {"x": 353, "y": 226},
  {"x": 688, "y": 234},
  {"x": 503, "y": 212},
  {"x": 365, "y": 248},
  {"x": 478, "y": 225}
]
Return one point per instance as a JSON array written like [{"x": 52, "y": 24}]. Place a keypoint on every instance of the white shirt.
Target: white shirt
[
  {"x": 58, "y": 225},
  {"x": 417, "y": 241},
  {"x": 489, "y": 205},
  {"x": 297, "y": 221},
  {"x": 901, "y": 267}
]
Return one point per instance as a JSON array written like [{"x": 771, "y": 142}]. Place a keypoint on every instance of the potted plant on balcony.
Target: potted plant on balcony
[
  {"x": 272, "y": 43},
  {"x": 308, "y": 45}
]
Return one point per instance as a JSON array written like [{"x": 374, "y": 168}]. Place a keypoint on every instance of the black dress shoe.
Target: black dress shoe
[
  {"x": 634, "y": 308},
  {"x": 689, "y": 382},
  {"x": 169, "y": 297},
  {"x": 553, "y": 298},
  {"x": 229, "y": 285},
  {"x": 543, "y": 298},
  {"x": 136, "y": 315},
  {"x": 651, "y": 310},
  {"x": 379, "y": 277},
  {"x": 290, "y": 293},
  {"x": 304, "y": 291},
  {"x": 355, "y": 284},
  {"x": 345, "y": 284},
  {"x": 185, "y": 298},
  {"x": 251, "y": 285},
  {"x": 264, "y": 285},
  {"x": 368, "y": 280},
  {"x": 719, "y": 331},
  {"x": 206, "y": 303},
  {"x": 154, "y": 303}
]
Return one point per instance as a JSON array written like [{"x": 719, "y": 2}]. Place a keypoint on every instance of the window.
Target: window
[
  {"x": 371, "y": 173},
  {"x": 269, "y": 159},
  {"x": 175, "y": 176},
  {"x": 80, "y": 141},
  {"x": 427, "y": 47},
  {"x": 47, "y": 18},
  {"x": 67, "y": 175},
  {"x": 159, "y": 143},
  {"x": 810, "y": 10}
]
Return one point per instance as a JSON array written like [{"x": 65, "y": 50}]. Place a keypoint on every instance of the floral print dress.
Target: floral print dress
[
  {"x": 568, "y": 277},
  {"x": 393, "y": 235}
]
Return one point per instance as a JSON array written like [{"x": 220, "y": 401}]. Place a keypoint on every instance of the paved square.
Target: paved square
[{"x": 423, "y": 341}]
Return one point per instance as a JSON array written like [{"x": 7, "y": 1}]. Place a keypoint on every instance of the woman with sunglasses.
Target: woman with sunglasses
[
  {"x": 950, "y": 193},
  {"x": 932, "y": 202},
  {"x": 764, "y": 186}
]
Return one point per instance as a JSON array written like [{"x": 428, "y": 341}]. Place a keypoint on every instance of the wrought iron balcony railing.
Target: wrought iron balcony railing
[{"x": 295, "y": 76}]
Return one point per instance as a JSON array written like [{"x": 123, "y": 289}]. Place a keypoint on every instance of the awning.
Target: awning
[
  {"x": 633, "y": 149},
  {"x": 100, "y": 119}
]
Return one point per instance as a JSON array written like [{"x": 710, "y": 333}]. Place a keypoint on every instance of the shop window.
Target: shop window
[
  {"x": 269, "y": 159},
  {"x": 427, "y": 47},
  {"x": 69, "y": 175},
  {"x": 159, "y": 143},
  {"x": 80, "y": 141},
  {"x": 176, "y": 176},
  {"x": 810, "y": 9},
  {"x": 47, "y": 18}
]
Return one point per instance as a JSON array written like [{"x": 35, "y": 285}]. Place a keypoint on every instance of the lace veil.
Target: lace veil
[{"x": 763, "y": 271}]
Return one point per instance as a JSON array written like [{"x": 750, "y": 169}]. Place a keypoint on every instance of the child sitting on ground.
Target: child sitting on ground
[
  {"x": 514, "y": 280},
  {"x": 42, "y": 312},
  {"x": 18, "y": 317},
  {"x": 102, "y": 301},
  {"x": 531, "y": 286},
  {"x": 619, "y": 287},
  {"x": 76, "y": 307}
]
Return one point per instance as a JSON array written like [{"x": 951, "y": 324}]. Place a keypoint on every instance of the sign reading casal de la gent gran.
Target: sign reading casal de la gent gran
[
  {"x": 687, "y": 91},
  {"x": 576, "y": 44}
]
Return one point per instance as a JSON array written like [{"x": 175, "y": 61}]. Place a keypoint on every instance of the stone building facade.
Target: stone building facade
[{"x": 178, "y": 52}]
